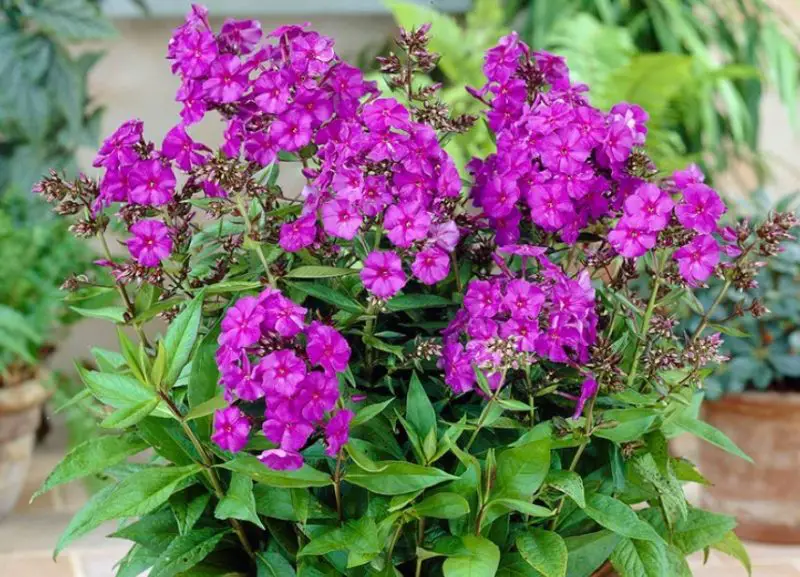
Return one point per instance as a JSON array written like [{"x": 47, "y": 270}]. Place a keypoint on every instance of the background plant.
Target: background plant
[{"x": 410, "y": 370}]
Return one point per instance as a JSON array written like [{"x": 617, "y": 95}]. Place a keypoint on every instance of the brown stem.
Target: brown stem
[{"x": 337, "y": 488}]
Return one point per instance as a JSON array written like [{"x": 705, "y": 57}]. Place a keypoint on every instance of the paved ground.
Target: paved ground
[{"x": 29, "y": 534}]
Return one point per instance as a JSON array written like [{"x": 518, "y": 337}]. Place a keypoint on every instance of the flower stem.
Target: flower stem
[
  {"x": 648, "y": 314},
  {"x": 337, "y": 487},
  {"x": 707, "y": 315},
  {"x": 249, "y": 229},
  {"x": 420, "y": 539},
  {"x": 484, "y": 415},
  {"x": 208, "y": 469}
]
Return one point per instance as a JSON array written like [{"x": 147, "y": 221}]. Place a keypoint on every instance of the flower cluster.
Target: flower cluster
[
  {"x": 267, "y": 351},
  {"x": 510, "y": 322}
]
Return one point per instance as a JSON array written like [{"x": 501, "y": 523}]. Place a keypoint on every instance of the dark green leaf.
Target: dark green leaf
[
  {"x": 513, "y": 565},
  {"x": 634, "y": 558},
  {"x": 71, "y": 19},
  {"x": 239, "y": 501},
  {"x": 619, "y": 517},
  {"x": 256, "y": 470},
  {"x": 419, "y": 410},
  {"x": 272, "y": 564},
  {"x": 397, "y": 477},
  {"x": 283, "y": 504},
  {"x": 128, "y": 416},
  {"x": 586, "y": 553},
  {"x": 186, "y": 551},
  {"x": 113, "y": 314},
  {"x": 569, "y": 483},
  {"x": 364, "y": 414},
  {"x": 359, "y": 538},
  {"x": 479, "y": 558},
  {"x": 522, "y": 470},
  {"x": 416, "y": 301},
  {"x": 631, "y": 424},
  {"x": 710, "y": 434},
  {"x": 154, "y": 531},
  {"x": 310, "y": 272},
  {"x": 136, "y": 562},
  {"x": 329, "y": 295},
  {"x": 119, "y": 391},
  {"x": 442, "y": 506},
  {"x": 180, "y": 338},
  {"x": 188, "y": 506}
]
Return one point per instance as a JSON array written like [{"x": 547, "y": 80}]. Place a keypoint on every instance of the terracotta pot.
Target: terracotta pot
[
  {"x": 763, "y": 497},
  {"x": 20, "y": 410}
]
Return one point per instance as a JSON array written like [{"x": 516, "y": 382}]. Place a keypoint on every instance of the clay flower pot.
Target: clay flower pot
[
  {"x": 764, "y": 496},
  {"x": 20, "y": 410}
]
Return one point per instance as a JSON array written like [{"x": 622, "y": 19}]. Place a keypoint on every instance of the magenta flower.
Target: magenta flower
[
  {"x": 298, "y": 234},
  {"x": 690, "y": 175},
  {"x": 406, "y": 223},
  {"x": 383, "y": 274},
  {"x": 151, "y": 242},
  {"x": 483, "y": 298},
  {"x": 283, "y": 315},
  {"x": 242, "y": 381},
  {"x": 696, "y": 260},
  {"x": 341, "y": 218},
  {"x": 337, "y": 431},
  {"x": 327, "y": 348},
  {"x": 227, "y": 79},
  {"x": 180, "y": 147},
  {"x": 588, "y": 390},
  {"x": 272, "y": 91},
  {"x": 629, "y": 240},
  {"x": 385, "y": 113},
  {"x": 241, "y": 35},
  {"x": 152, "y": 183},
  {"x": 634, "y": 117},
  {"x": 231, "y": 429},
  {"x": 564, "y": 151},
  {"x": 281, "y": 460},
  {"x": 292, "y": 130},
  {"x": 431, "y": 265},
  {"x": 287, "y": 428},
  {"x": 282, "y": 371},
  {"x": 316, "y": 395},
  {"x": 649, "y": 208},
  {"x": 445, "y": 235},
  {"x": 241, "y": 326},
  {"x": 458, "y": 371},
  {"x": 523, "y": 300},
  {"x": 118, "y": 149},
  {"x": 700, "y": 208},
  {"x": 311, "y": 52}
]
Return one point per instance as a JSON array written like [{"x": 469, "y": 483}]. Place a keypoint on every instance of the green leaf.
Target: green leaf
[
  {"x": 480, "y": 558},
  {"x": 442, "y": 506},
  {"x": 730, "y": 545},
  {"x": 130, "y": 355},
  {"x": 369, "y": 412},
  {"x": 397, "y": 477},
  {"x": 310, "y": 272},
  {"x": 203, "y": 379},
  {"x": 188, "y": 506},
  {"x": 119, "y": 391},
  {"x": 207, "y": 408},
  {"x": 128, "y": 416},
  {"x": 634, "y": 558},
  {"x": 180, "y": 338},
  {"x": 239, "y": 501},
  {"x": 701, "y": 529},
  {"x": 788, "y": 365},
  {"x": 136, "y": 562},
  {"x": 632, "y": 424},
  {"x": 586, "y": 553},
  {"x": 513, "y": 565},
  {"x": 360, "y": 458},
  {"x": 233, "y": 286},
  {"x": 154, "y": 531},
  {"x": 619, "y": 517},
  {"x": 416, "y": 301},
  {"x": 522, "y": 470},
  {"x": 283, "y": 504},
  {"x": 186, "y": 551},
  {"x": 545, "y": 551},
  {"x": 91, "y": 457},
  {"x": 271, "y": 563},
  {"x": 136, "y": 495},
  {"x": 569, "y": 483},
  {"x": 328, "y": 295},
  {"x": 358, "y": 537},
  {"x": 113, "y": 314},
  {"x": 419, "y": 410},
  {"x": 710, "y": 434},
  {"x": 255, "y": 469},
  {"x": 497, "y": 507},
  {"x": 71, "y": 19}
]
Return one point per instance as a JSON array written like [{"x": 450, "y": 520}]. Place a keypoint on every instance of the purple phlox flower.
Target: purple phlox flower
[
  {"x": 231, "y": 429},
  {"x": 312, "y": 52},
  {"x": 554, "y": 68},
  {"x": 193, "y": 51},
  {"x": 282, "y": 371},
  {"x": 696, "y": 260},
  {"x": 190, "y": 94},
  {"x": 588, "y": 390},
  {"x": 550, "y": 207},
  {"x": 118, "y": 149},
  {"x": 180, "y": 147},
  {"x": 213, "y": 189},
  {"x": 292, "y": 130},
  {"x": 431, "y": 265},
  {"x": 499, "y": 196},
  {"x": 385, "y": 113},
  {"x": 629, "y": 240},
  {"x": 114, "y": 187},
  {"x": 632, "y": 116},
  {"x": 241, "y": 326},
  {"x": 337, "y": 431},
  {"x": 690, "y": 175},
  {"x": 241, "y": 35},
  {"x": 227, "y": 79},
  {"x": 502, "y": 60},
  {"x": 283, "y": 316},
  {"x": 507, "y": 227},
  {"x": 298, "y": 234},
  {"x": 272, "y": 91},
  {"x": 242, "y": 380},
  {"x": 553, "y": 343},
  {"x": 259, "y": 147},
  {"x": 315, "y": 103},
  {"x": 481, "y": 328},
  {"x": 383, "y": 274},
  {"x": 523, "y": 250},
  {"x": 458, "y": 372},
  {"x": 286, "y": 427},
  {"x": 526, "y": 333},
  {"x": 649, "y": 208},
  {"x": 564, "y": 150},
  {"x": 523, "y": 300},
  {"x": 316, "y": 395},
  {"x": 327, "y": 348},
  {"x": 341, "y": 218},
  {"x": 618, "y": 143},
  {"x": 281, "y": 460},
  {"x": 151, "y": 242},
  {"x": 348, "y": 185},
  {"x": 152, "y": 183},
  {"x": 483, "y": 298},
  {"x": 700, "y": 208},
  {"x": 375, "y": 196},
  {"x": 406, "y": 223},
  {"x": 233, "y": 138},
  {"x": 445, "y": 235}
]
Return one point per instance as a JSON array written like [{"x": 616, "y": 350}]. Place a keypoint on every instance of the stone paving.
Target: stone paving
[{"x": 27, "y": 538}]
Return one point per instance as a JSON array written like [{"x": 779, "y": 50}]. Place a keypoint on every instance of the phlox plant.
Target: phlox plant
[{"x": 396, "y": 368}]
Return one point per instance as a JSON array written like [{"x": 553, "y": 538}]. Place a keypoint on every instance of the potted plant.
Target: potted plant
[
  {"x": 36, "y": 254},
  {"x": 400, "y": 370},
  {"x": 751, "y": 397}
]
